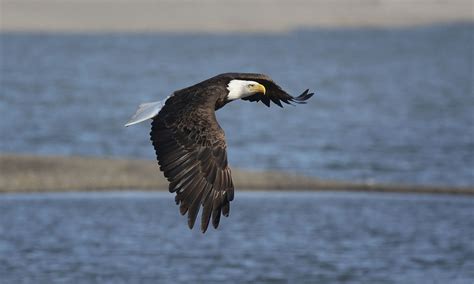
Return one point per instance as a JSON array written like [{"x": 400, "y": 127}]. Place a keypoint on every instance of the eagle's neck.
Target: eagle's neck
[{"x": 221, "y": 102}]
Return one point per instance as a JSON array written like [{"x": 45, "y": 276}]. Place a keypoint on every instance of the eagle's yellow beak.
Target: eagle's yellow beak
[{"x": 258, "y": 88}]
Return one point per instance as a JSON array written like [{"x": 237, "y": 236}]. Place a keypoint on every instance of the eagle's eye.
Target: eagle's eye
[{"x": 251, "y": 85}]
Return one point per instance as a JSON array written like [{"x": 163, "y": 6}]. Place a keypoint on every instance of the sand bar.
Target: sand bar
[
  {"x": 224, "y": 15},
  {"x": 25, "y": 173}
]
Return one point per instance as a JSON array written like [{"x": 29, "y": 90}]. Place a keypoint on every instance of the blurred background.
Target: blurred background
[{"x": 393, "y": 105}]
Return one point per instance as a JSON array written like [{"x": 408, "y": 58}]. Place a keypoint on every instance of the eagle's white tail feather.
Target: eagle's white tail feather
[{"x": 146, "y": 111}]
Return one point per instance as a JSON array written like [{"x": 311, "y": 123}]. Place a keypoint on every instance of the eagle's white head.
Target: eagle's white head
[{"x": 241, "y": 88}]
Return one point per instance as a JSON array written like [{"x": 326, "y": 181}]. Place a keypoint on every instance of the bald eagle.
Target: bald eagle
[{"x": 190, "y": 145}]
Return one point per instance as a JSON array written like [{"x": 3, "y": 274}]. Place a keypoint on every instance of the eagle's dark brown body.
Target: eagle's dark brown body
[
  {"x": 191, "y": 151},
  {"x": 190, "y": 145}
]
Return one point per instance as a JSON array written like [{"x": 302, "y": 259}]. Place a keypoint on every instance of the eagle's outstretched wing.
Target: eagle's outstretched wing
[
  {"x": 277, "y": 95},
  {"x": 191, "y": 151}
]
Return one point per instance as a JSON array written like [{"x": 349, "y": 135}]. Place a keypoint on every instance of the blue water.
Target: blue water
[
  {"x": 392, "y": 105},
  {"x": 270, "y": 237}
]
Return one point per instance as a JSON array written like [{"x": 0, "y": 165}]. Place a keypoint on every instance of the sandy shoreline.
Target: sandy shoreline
[
  {"x": 24, "y": 173},
  {"x": 224, "y": 16}
]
